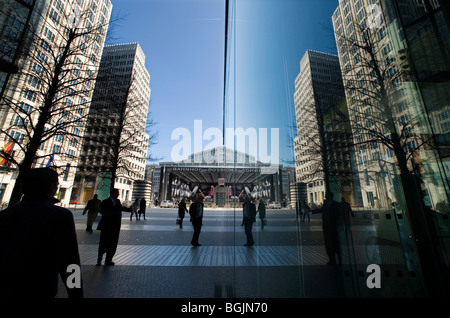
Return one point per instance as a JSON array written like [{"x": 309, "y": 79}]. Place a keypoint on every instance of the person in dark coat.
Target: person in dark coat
[
  {"x": 196, "y": 213},
  {"x": 38, "y": 242},
  {"x": 92, "y": 208},
  {"x": 249, "y": 212},
  {"x": 109, "y": 226},
  {"x": 182, "y": 211},
  {"x": 262, "y": 212},
  {"x": 142, "y": 207},
  {"x": 330, "y": 215}
]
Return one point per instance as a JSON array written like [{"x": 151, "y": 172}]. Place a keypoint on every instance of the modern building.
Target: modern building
[
  {"x": 394, "y": 57},
  {"x": 33, "y": 37},
  {"x": 116, "y": 143},
  {"x": 321, "y": 145},
  {"x": 411, "y": 57},
  {"x": 223, "y": 176}
]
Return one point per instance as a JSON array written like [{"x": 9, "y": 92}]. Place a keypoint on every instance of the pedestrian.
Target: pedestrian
[
  {"x": 142, "y": 207},
  {"x": 134, "y": 209},
  {"x": 110, "y": 226},
  {"x": 92, "y": 208},
  {"x": 306, "y": 211},
  {"x": 249, "y": 214},
  {"x": 298, "y": 211},
  {"x": 38, "y": 242},
  {"x": 330, "y": 213},
  {"x": 196, "y": 213},
  {"x": 182, "y": 211},
  {"x": 346, "y": 212},
  {"x": 262, "y": 213}
]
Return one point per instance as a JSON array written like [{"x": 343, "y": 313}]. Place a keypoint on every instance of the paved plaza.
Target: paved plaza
[{"x": 154, "y": 259}]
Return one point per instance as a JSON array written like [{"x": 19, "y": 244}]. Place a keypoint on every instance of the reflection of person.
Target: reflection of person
[
  {"x": 182, "y": 211},
  {"x": 92, "y": 208},
  {"x": 330, "y": 210},
  {"x": 262, "y": 212},
  {"x": 38, "y": 241},
  {"x": 306, "y": 210},
  {"x": 142, "y": 207},
  {"x": 346, "y": 211},
  {"x": 134, "y": 209},
  {"x": 249, "y": 213},
  {"x": 110, "y": 226},
  {"x": 196, "y": 213}
]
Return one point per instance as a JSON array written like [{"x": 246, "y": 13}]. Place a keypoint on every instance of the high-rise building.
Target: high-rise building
[
  {"x": 116, "y": 143},
  {"x": 34, "y": 37},
  {"x": 400, "y": 45},
  {"x": 394, "y": 56},
  {"x": 321, "y": 145}
]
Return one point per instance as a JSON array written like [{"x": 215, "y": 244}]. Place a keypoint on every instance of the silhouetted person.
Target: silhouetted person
[
  {"x": 306, "y": 211},
  {"x": 142, "y": 207},
  {"x": 38, "y": 242},
  {"x": 249, "y": 213},
  {"x": 346, "y": 212},
  {"x": 196, "y": 213},
  {"x": 109, "y": 226},
  {"x": 330, "y": 213},
  {"x": 92, "y": 208},
  {"x": 134, "y": 209},
  {"x": 262, "y": 212},
  {"x": 182, "y": 211}
]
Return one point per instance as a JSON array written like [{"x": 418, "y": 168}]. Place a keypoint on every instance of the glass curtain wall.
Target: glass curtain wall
[{"x": 306, "y": 117}]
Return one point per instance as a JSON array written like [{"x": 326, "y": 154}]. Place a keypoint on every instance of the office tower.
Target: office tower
[
  {"x": 44, "y": 103},
  {"x": 321, "y": 147},
  {"x": 116, "y": 143},
  {"x": 394, "y": 43}
]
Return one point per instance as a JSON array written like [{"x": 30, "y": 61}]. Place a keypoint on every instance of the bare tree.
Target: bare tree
[
  {"x": 58, "y": 69},
  {"x": 385, "y": 119}
]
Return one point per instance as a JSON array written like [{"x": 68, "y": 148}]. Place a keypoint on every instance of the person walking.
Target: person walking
[
  {"x": 182, "y": 211},
  {"x": 38, "y": 242},
  {"x": 196, "y": 213},
  {"x": 249, "y": 213},
  {"x": 306, "y": 211},
  {"x": 134, "y": 209},
  {"x": 330, "y": 212},
  {"x": 109, "y": 226},
  {"x": 142, "y": 207},
  {"x": 262, "y": 213},
  {"x": 92, "y": 208}
]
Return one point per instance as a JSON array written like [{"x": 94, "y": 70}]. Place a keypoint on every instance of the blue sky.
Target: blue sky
[{"x": 183, "y": 41}]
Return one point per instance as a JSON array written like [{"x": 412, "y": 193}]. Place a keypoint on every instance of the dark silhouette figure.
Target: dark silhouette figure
[
  {"x": 249, "y": 213},
  {"x": 306, "y": 211},
  {"x": 142, "y": 207},
  {"x": 182, "y": 211},
  {"x": 346, "y": 212},
  {"x": 38, "y": 242},
  {"x": 134, "y": 209},
  {"x": 196, "y": 213},
  {"x": 330, "y": 213},
  {"x": 298, "y": 211},
  {"x": 262, "y": 212},
  {"x": 109, "y": 226},
  {"x": 92, "y": 208}
]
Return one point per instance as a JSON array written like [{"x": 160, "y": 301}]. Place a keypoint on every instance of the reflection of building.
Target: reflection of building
[
  {"x": 410, "y": 44},
  {"x": 222, "y": 175},
  {"x": 41, "y": 43},
  {"x": 153, "y": 174},
  {"x": 115, "y": 134},
  {"x": 320, "y": 146}
]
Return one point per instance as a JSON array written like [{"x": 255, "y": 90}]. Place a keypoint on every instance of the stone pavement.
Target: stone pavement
[{"x": 154, "y": 259}]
